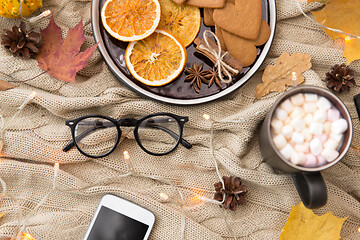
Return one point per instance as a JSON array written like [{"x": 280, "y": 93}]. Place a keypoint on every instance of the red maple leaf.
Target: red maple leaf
[{"x": 61, "y": 58}]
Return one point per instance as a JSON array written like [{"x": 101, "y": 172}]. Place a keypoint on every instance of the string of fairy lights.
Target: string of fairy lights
[{"x": 22, "y": 234}]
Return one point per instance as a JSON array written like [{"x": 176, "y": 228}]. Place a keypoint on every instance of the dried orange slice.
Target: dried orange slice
[
  {"x": 156, "y": 60},
  {"x": 182, "y": 21},
  {"x": 130, "y": 20}
]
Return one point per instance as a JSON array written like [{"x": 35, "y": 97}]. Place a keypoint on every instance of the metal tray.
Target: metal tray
[{"x": 177, "y": 92}]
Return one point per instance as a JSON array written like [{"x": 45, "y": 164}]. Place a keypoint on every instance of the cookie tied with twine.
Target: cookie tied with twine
[{"x": 223, "y": 61}]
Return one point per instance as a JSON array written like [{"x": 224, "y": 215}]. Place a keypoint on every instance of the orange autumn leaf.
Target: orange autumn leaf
[
  {"x": 345, "y": 16},
  {"x": 305, "y": 223},
  {"x": 61, "y": 58}
]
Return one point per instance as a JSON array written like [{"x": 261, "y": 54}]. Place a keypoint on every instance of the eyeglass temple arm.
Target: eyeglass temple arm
[
  {"x": 71, "y": 144},
  {"x": 174, "y": 135}
]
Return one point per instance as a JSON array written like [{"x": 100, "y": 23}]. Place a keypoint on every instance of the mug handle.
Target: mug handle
[{"x": 311, "y": 188}]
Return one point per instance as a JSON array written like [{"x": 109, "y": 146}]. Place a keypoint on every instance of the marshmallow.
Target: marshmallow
[
  {"x": 308, "y": 119},
  {"x": 310, "y": 107},
  {"x": 298, "y": 99},
  {"x": 333, "y": 115},
  {"x": 316, "y": 128},
  {"x": 320, "y": 116},
  {"x": 281, "y": 114},
  {"x": 298, "y": 158},
  {"x": 287, "y": 106},
  {"x": 279, "y": 141},
  {"x": 337, "y": 137},
  {"x": 323, "y": 137},
  {"x": 287, "y": 151},
  {"x": 298, "y": 112},
  {"x": 311, "y": 161},
  {"x": 330, "y": 154},
  {"x": 297, "y": 138},
  {"x": 298, "y": 124},
  {"x": 327, "y": 127},
  {"x": 331, "y": 144},
  {"x": 308, "y": 136},
  {"x": 323, "y": 103},
  {"x": 316, "y": 146},
  {"x": 311, "y": 97},
  {"x": 287, "y": 131},
  {"x": 308, "y": 130},
  {"x": 303, "y": 148},
  {"x": 321, "y": 160},
  {"x": 276, "y": 125},
  {"x": 339, "y": 126}
]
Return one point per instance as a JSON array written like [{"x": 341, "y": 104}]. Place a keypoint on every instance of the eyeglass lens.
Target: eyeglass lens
[
  {"x": 95, "y": 136},
  {"x": 159, "y": 134}
]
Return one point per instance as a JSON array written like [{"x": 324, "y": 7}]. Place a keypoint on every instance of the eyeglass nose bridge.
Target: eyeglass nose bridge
[{"x": 127, "y": 122}]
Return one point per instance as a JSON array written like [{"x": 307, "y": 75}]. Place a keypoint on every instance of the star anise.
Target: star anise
[
  {"x": 213, "y": 76},
  {"x": 196, "y": 75},
  {"x": 234, "y": 192}
]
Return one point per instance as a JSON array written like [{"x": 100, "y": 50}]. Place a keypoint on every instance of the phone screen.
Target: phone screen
[{"x": 111, "y": 225}]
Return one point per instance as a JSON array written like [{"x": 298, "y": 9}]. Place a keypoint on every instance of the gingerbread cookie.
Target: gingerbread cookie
[
  {"x": 243, "y": 49},
  {"x": 219, "y": 35},
  {"x": 207, "y": 3},
  {"x": 264, "y": 34},
  {"x": 208, "y": 19},
  {"x": 242, "y": 19},
  {"x": 179, "y": 1}
]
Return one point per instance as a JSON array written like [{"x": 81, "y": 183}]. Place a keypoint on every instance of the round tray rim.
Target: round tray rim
[{"x": 95, "y": 22}]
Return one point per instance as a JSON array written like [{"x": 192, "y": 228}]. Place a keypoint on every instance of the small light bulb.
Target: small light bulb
[
  {"x": 56, "y": 166},
  {"x": 206, "y": 116},
  {"x": 358, "y": 229},
  {"x": 33, "y": 95},
  {"x": 126, "y": 155},
  {"x": 294, "y": 79},
  {"x": 40, "y": 16},
  {"x": 347, "y": 39},
  {"x": 164, "y": 196},
  {"x": 27, "y": 236}
]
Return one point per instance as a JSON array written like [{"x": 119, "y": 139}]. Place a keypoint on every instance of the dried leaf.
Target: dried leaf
[
  {"x": 345, "y": 16},
  {"x": 303, "y": 222},
  {"x": 277, "y": 77},
  {"x": 5, "y": 86},
  {"x": 61, "y": 59}
]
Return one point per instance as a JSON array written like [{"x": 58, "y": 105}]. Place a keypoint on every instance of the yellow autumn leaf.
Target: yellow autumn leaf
[
  {"x": 304, "y": 224},
  {"x": 345, "y": 16},
  {"x": 352, "y": 50}
]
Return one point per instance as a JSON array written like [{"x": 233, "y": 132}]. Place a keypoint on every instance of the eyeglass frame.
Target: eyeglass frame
[{"x": 128, "y": 122}]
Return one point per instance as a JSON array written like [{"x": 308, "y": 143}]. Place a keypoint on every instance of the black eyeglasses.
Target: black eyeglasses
[{"x": 97, "y": 136}]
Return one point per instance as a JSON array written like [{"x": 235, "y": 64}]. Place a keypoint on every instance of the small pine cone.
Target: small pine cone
[
  {"x": 21, "y": 42},
  {"x": 340, "y": 78},
  {"x": 234, "y": 192}
]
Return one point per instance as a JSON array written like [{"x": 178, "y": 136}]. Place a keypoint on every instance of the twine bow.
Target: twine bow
[{"x": 220, "y": 64}]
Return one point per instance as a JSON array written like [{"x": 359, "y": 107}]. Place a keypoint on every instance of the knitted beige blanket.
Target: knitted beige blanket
[{"x": 34, "y": 139}]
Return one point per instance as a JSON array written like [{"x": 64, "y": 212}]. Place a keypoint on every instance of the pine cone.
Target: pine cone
[
  {"x": 21, "y": 42},
  {"x": 234, "y": 192},
  {"x": 340, "y": 78}
]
